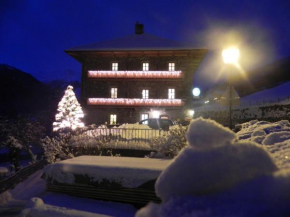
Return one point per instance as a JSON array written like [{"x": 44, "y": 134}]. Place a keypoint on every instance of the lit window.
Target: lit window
[
  {"x": 114, "y": 92},
  {"x": 171, "y": 66},
  {"x": 114, "y": 66},
  {"x": 171, "y": 93},
  {"x": 113, "y": 119},
  {"x": 144, "y": 116},
  {"x": 145, "y": 94},
  {"x": 145, "y": 66}
]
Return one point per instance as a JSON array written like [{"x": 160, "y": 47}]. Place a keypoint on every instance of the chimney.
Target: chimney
[{"x": 139, "y": 28}]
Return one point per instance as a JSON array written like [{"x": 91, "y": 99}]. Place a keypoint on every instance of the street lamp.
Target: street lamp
[{"x": 230, "y": 56}]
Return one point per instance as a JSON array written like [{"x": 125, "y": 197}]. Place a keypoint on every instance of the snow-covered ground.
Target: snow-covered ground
[
  {"x": 12, "y": 202},
  {"x": 219, "y": 174}
]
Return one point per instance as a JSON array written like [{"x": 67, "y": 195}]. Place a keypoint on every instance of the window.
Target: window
[
  {"x": 114, "y": 92},
  {"x": 113, "y": 119},
  {"x": 171, "y": 93},
  {"x": 143, "y": 117},
  {"x": 145, "y": 94},
  {"x": 114, "y": 66},
  {"x": 145, "y": 66},
  {"x": 171, "y": 67}
]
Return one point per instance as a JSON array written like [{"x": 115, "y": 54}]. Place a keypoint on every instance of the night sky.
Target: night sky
[{"x": 35, "y": 33}]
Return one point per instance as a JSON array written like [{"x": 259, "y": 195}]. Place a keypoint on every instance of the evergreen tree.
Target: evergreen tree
[{"x": 69, "y": 112}]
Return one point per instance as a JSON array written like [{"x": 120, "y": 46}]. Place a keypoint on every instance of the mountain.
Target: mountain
[
  {"x": 21, "y": 93},
  {"x": 269, "y": 76}
]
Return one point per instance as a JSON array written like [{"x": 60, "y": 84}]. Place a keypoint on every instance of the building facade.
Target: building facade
[{"x": 136, "y": 77}]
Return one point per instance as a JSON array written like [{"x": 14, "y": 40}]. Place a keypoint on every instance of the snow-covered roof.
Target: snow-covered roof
[{"x": 139, "y": 42}]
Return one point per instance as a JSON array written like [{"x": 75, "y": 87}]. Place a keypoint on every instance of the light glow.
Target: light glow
[
  {"x": 156, "y": 114},
  {"x": 69, "y": 112},
  {"x": 196, "y": 91},
  {"x": 135, "y": 74},
  {"x": 231, "y": 55},
  {"x": 191, "y": 113},
  {"x": 134, "y": 102}
]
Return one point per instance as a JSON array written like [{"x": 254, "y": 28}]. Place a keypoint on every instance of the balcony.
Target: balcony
[
  {"x": 136, "y": 74},
  {"x": 134, "y": 102}
]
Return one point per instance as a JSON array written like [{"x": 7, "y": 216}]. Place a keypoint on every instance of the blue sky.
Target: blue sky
[{"x": 35, "y": 33}]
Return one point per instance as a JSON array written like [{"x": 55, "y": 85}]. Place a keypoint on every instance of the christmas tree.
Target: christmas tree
[{"x": 69, "y": 112}]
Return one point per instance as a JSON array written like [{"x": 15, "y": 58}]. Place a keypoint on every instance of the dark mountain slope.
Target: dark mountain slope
[{"x": 21, "y": 93}]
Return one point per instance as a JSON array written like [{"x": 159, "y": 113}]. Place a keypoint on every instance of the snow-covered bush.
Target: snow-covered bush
[
  {"x": 170, "y": 143},
  {"x": 57, "y": 148}
]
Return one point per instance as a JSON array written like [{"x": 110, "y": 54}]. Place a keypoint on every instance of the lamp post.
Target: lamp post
[{"x": 230, "y": 56}]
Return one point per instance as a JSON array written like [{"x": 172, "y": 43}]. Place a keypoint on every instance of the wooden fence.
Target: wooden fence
[{"x": 21, "y": 175}]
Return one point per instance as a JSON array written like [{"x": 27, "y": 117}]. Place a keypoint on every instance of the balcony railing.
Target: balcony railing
[
  {"x": 134, "y": 102},
  {"x": 135, "y": 74}
]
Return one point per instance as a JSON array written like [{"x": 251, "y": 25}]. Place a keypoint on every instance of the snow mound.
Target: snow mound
[
  {"x": 37, "y": 208},
  {"x": 264, "y": 196},
  {"x": 258, "y": 139},
  {"x": 258, "y": 133},
  {"x": 199, "y": 172},
  {"x": 276, "y": 137},
  {"x": 205, "y": 133},
  {"x": 253, "y": 128},
  {"x": 281, "y": 154}
]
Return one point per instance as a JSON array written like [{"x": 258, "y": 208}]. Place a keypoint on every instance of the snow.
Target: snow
[
  {"x": 276, "y": 138},
  {"x": 207, "y": 133},
  {"x": 283, "y": 91},
  {"x": 226, "y": 178},
  {"x": 128, "y": 172},
  {"x": 36, "y": 208},
  {"x": 15, "y": 200}
]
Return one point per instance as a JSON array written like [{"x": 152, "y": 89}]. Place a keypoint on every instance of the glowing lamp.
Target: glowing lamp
[
  {"x": 196, "y": 91},
  {"x": 231, "y": 55}
]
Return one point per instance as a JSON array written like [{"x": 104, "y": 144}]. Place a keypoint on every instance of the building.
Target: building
[{"x": 139, "y": 76}]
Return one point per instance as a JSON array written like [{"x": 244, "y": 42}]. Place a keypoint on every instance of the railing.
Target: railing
[
  {"x": 125, "y": 135},
  {"x": 21, "y": 175}
]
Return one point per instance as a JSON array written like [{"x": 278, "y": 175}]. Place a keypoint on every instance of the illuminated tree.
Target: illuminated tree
[{"x": 69, "y": 112}]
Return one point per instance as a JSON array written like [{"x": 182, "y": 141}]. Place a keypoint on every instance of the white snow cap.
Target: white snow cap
[
  {"x": 199, "y": 172},
  {"x": 212, "y": 162},
  {"x": 206, "y": 133}
]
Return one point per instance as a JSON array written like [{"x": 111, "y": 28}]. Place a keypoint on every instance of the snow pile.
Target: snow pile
[
  {"x": 203, "y": 176},
  {"x": 36, "y": 207},
  {"x": 255, "y": 128},
  {"x": 125, "y": 171},
  {"x": 276, "y": 138},
  {"x": 207, "y": 134}
]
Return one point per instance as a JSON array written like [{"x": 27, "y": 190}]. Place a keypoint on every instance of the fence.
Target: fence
[
  {"x": 125, "y": 134},
  {"x": 21, "y": 175}
]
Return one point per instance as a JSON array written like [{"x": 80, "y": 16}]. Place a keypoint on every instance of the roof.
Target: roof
[{"x": 136, "y": 42}]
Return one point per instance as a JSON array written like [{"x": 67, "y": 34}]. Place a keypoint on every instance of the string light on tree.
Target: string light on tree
[{"x": 69, "y": 112}]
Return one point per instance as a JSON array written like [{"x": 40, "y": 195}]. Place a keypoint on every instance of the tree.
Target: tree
[
  {"x": 22, "y": 133},
  {"x": 69, "y": 112}
]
